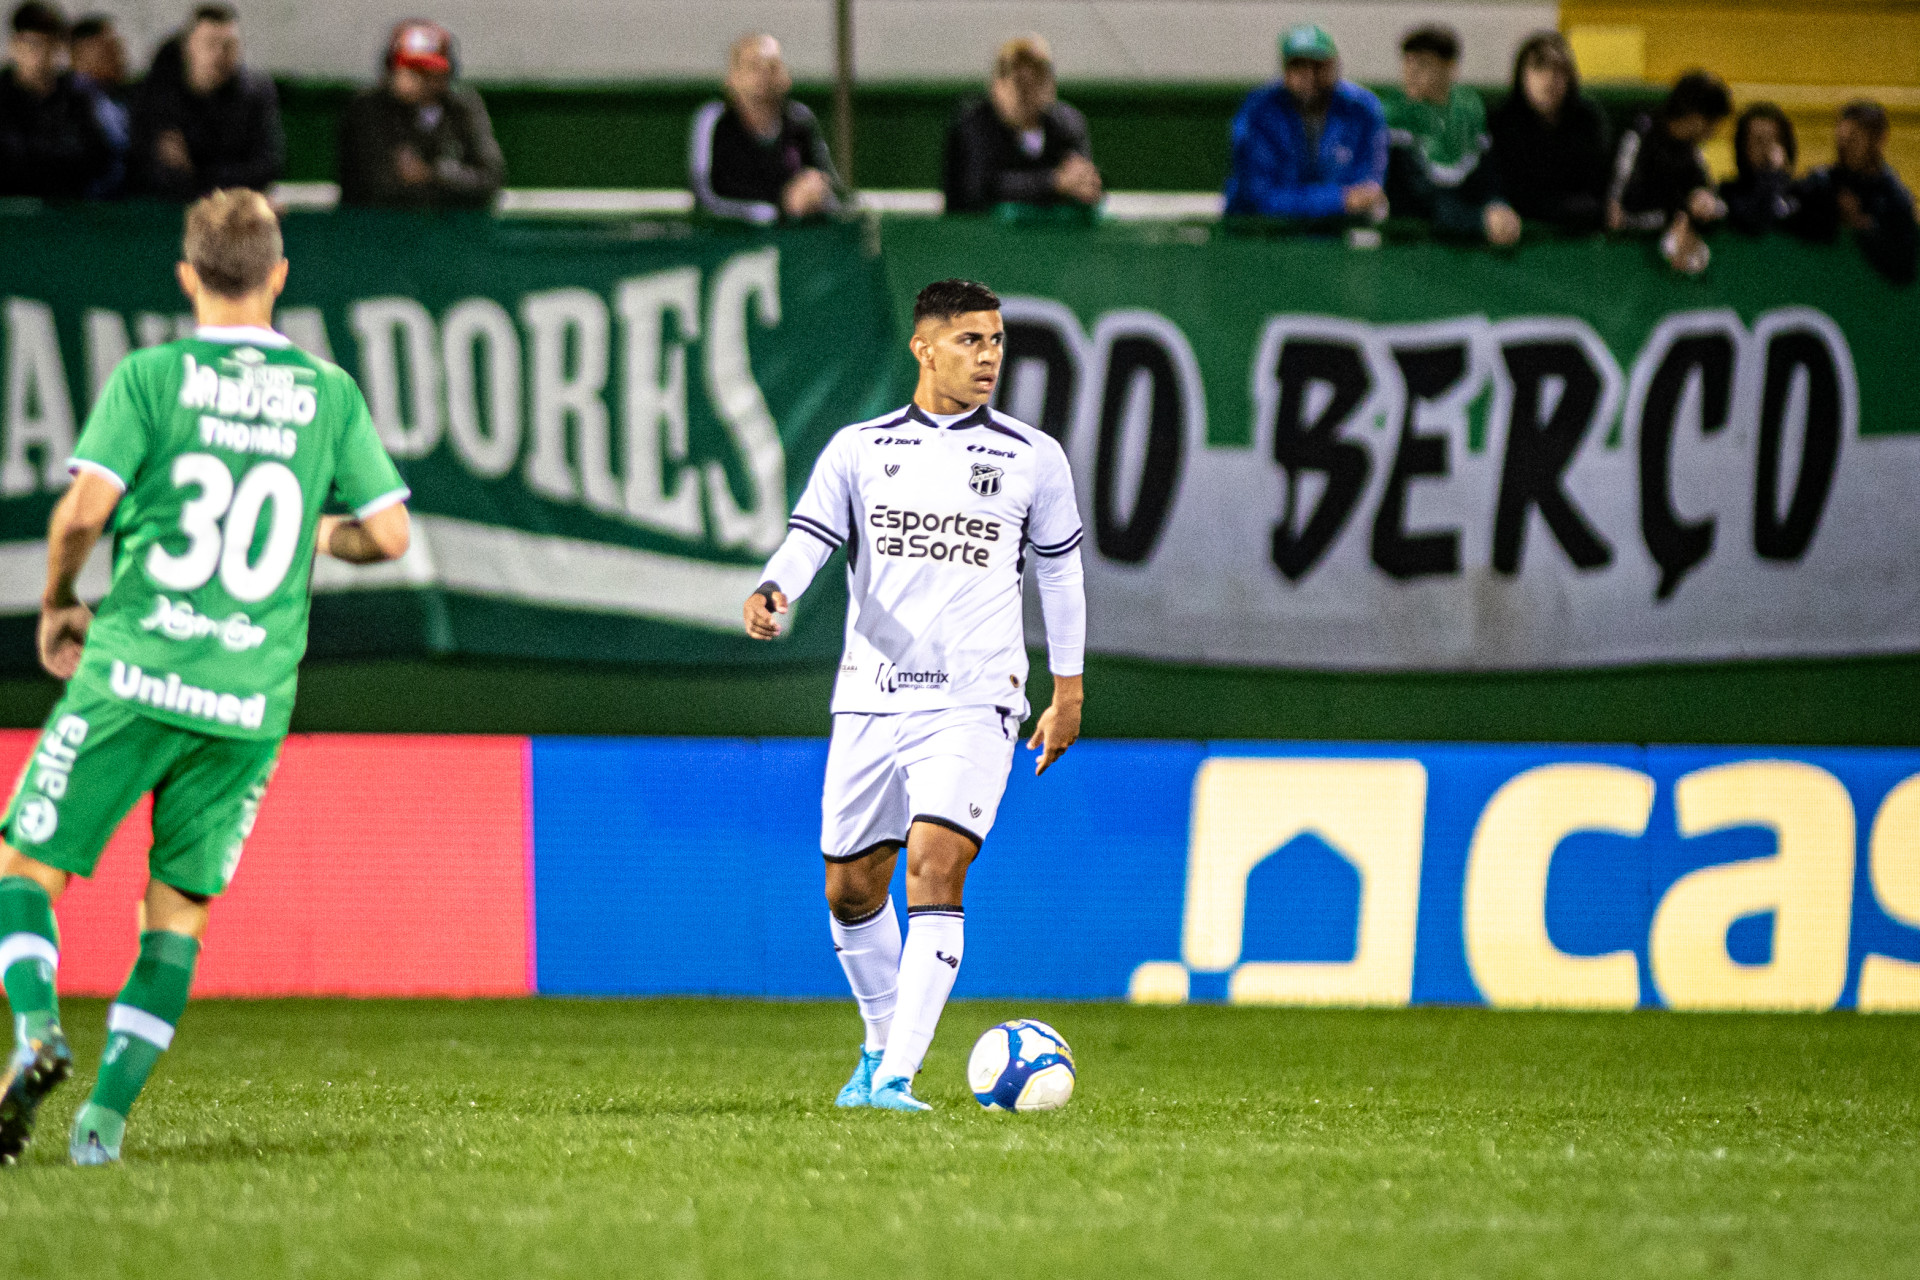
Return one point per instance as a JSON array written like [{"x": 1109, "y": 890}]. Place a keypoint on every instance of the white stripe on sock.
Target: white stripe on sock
[
  {"x": 138, "y": 1022},
  {"x": 16, "y": 947}
]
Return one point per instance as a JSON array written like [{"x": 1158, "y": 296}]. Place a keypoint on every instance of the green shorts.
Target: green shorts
[{"x": 96, "y": 759}]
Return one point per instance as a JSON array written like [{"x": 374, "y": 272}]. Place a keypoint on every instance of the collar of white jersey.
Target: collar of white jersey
[
  {"x": 981, "y": 417},
  {"x": 251, "y": 335}
]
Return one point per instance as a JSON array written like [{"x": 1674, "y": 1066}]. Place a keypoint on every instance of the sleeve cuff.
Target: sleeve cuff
[
  {"x": 76, "y": 465},
  {"x": 382, "y": 502}
]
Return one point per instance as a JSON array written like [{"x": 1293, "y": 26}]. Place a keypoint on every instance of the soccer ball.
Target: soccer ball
[{"x": 1021, "y": 1066}]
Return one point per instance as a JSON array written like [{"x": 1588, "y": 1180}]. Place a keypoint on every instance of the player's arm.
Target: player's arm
[
  {"x": 79, "y": 519},
  {"x": 813, "y": 534},
  {"x": 381, "y": 535},
  {"x": 1063, "y": 607}
]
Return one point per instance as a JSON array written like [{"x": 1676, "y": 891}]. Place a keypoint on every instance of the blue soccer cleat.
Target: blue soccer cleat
[
  {"x": 35, "y": 1070},
  {"x": 859, "y": 1086},
  {"x": 97, "y": 1135},
  {"x": 895, "y": 1094}
]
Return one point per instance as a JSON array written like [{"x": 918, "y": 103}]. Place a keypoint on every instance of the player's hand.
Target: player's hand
[
  {"x": 1077, "y": 179},
  {"x": 1059, "y": 726},
  {"x": 806, "y": 194},
  {"x": 1365, "y": 199},
  {"x": 63, "y": 634},
  {"x": 1502, "y": 225},
  {"x": 762, "y": 624}
]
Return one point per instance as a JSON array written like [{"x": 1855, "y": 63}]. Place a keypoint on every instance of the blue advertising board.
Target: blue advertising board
[{"x": 1518, "y": 876}]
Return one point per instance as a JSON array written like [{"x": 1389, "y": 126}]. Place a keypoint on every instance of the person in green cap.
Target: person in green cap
[
  {"x": 1309, "y": 146},
  {"x": 1437, "y": 163}
]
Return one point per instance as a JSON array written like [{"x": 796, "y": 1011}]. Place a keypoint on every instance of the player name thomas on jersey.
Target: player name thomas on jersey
[
  {"x": 940, "y": 519},
  {"x": 225, "y": 446}
]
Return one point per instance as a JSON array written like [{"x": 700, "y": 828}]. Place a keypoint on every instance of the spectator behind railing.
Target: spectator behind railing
[
  {"x": 56, "y": 128},
  {"x": 100, "y": 58},
  {"x": 757, "y": 155},
  {"x": 1437, "y": 164},
  {"x": 202, "y": 120},
  {"x": 1860, "y": 191},
  {"x": 1309, "y": 146},
  {"x": 417, "y": 140},
  {"x": 1019, "y": 144},
  {"x": 1760, "y": 196},
  {"x": 1550, "y": 140},
  {"x": 1660, "y": 179}
]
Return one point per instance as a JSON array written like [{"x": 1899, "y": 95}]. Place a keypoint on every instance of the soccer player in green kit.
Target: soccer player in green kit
[{"x": 210, "y": 460}]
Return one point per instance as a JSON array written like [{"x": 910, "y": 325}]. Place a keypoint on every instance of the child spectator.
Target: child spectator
[
  {"x": 1660, "y": 179},
  {"x": 56, "y": 140},
  {"x": 416, "y": 140},
  {"x": 1020, "y": 144},
  {"x": 1760, "y": 197},
  {"x": 757, "y": 155},
  {"x": 202, "y": 120},
  {"x": 1436, "y": 161},
  {"x": 1310, "y": 146},
  {"x": 1550, "y": 140},
  {"x": 1860, "y": 192}
]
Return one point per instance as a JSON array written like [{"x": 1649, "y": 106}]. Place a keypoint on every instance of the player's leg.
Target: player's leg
[
  {"x": 956, "y": 766},
  {"x": 92, "y": 762},
  {"x": 863, "y": 822},
  {"x": 203, "y": 810}
]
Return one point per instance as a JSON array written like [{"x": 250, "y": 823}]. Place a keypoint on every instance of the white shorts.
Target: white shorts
[{"x": 887, "y": 772}]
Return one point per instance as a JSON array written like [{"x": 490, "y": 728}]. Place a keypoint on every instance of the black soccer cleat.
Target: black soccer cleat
[{"x": 36, "y": 1070}]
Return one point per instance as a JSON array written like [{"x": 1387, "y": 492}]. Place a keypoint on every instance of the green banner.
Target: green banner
[{"x": 603, "y": 425}]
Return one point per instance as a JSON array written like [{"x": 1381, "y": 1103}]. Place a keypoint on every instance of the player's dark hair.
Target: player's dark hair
[
  {"x": 1697, "y": 93},
  {"x": 1442, "y": 42},
  {"x": 94, "y": 24},
  {"x": 38, "y": 19},
  {"x": 945, "y": 299},
  {"x": 232, "y": 241},
  {"x": 216, "y": 13},
  {"x": 1868, "y": 114}
]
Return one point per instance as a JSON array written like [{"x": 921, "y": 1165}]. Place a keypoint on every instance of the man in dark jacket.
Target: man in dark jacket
[
  {"x": 202, "y": 120},
  {"x": 1860, "y": 192},
  {"x": 757, "y": 155},
  {"x": 1020, "y": 144},
  {"x": 54, "y": 139},
  {"x": 417, "y": 140},
  {"x": 1310, "y": 146},
  {"x": 1550, "y": 149},
  {"x": 1660, "y": 178}
]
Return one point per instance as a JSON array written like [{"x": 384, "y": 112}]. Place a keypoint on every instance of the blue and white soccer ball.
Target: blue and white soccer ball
[{"x": 1021, "y": 1066}]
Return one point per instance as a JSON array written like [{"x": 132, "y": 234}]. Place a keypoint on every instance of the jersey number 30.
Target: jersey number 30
[{"x": 220, "y": 525}]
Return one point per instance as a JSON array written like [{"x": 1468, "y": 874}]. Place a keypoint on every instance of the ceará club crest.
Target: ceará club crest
[{"x": 985, "y": 480}]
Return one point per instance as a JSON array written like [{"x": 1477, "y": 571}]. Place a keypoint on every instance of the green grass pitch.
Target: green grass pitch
[{"x": 697, "y": 1138}]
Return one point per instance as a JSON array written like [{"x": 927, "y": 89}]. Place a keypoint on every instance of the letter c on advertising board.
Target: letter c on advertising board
[
  {"x": 1514, "y": 962},
  {"x": 1807, "y": 885},
  {"x": 1371, "y": 812}
]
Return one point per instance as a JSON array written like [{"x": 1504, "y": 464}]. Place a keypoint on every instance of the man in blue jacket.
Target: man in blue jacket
[{"x": 1310, "y": 146}]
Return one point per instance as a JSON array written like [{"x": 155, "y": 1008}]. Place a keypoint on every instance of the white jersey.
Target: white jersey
[{"x": 940, "y": 525}]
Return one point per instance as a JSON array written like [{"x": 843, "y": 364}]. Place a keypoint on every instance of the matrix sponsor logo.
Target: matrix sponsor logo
[
  {"x": 167, "y": 692},
  {"x": 177, "y": 620},
  {"x": 914, "y": 535},
  {"x": 891, "y": 679},
  {"x": 258, "y": 390}
]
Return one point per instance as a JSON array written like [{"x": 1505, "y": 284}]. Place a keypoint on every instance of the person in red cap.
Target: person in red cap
[{"x": 417, "y": 140}]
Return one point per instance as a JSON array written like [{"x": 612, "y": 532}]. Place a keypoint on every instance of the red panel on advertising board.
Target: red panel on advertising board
[{"x": 380, "y": 866}]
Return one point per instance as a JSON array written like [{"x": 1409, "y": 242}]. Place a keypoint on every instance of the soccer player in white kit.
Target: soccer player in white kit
[{"x": 942, "y": 506}]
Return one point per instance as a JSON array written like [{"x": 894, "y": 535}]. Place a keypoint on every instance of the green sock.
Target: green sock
[
  {"x": 29, "y": 955},
  {"x": 140, "y": 1023}
]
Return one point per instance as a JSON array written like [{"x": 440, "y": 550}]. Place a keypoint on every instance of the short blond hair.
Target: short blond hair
[
  {"x": 1024, "y": 53},
  {"x": 232, "y": 241}
]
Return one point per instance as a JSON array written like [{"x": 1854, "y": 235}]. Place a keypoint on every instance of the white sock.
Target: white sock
[
  {"x": 869, "y": 951},
  {"x": 930, "y": 961}
]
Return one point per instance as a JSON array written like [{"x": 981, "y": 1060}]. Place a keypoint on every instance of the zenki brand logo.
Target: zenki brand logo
[
  {"x": 891, "y": 679},
  {"x": 177, "y": 620},
  {"x": 985, "y": 479}
]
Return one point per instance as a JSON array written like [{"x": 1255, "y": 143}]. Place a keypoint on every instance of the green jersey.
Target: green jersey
[
  {"x": 226, "y": 447},
  {"x": 1449, "y": 140}
]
